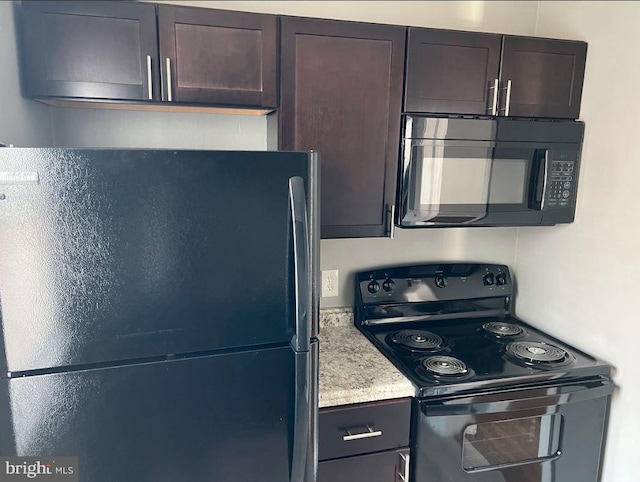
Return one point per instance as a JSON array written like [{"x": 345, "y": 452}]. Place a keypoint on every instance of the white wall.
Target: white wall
[
  {"x": 114, "y": 128},
  {"x": 96, "y": 128},
  {"x": 23, "y": 122},
  {"x": 581, "y": 281},
  {"x": 485, "y": 16},
  {"x": 413, "y": 246}
]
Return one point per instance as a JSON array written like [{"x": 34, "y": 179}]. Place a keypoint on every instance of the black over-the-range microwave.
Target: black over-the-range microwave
[{"x": 488, "y": 172}]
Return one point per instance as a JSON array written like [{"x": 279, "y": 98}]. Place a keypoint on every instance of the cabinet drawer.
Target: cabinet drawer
[
  {"x": 363, "y": 428},
  {"x": 389, "y": 466}
]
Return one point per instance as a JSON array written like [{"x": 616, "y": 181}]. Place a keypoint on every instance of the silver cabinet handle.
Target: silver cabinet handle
[
  {"x": 507, "y": 102},
  {"x": 357, "y": 436},
  {"x": 404, "y": 476},
  {"x": 169, "y": 87},
  {"x": 494, "y": 104},
  {"x": 149, "y": 78},
  {"x": 391, "y": 213}
]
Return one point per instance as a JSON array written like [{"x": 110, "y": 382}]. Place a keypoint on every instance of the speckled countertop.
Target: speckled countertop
[{"x": 352, "y": 370}]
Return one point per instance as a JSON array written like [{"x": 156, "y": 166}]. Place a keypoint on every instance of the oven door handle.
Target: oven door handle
[
  {"x": 537, "y": 460},
  {"x": 517, "y": 400}
]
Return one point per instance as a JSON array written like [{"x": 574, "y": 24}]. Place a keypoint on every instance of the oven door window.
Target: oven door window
[
  {"x": 510, "y": 442},
  {"x": 467, "y": 179}
]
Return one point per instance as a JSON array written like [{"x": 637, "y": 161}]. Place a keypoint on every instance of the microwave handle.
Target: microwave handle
[{"x": 538, "y": 183}]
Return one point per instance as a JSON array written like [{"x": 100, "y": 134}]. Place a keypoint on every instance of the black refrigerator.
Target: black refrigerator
[{"x": 159, "y": 313}]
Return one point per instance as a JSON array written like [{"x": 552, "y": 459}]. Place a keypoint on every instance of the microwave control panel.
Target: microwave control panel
[{"x": 560, "y": 184}]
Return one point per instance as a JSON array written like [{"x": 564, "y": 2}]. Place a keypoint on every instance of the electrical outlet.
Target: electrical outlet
[{"x": 330, "y": 283}]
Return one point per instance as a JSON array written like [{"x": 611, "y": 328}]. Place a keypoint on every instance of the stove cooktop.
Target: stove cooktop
[
  {"x": 449, "y": 329},
  {"x": 452, "y": 356}
]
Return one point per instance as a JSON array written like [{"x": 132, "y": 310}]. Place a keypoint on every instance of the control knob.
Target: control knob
[
  {"x": 501, "y": 279},
  {"x": 489, "y": 279},
  {"x": 440, "y": 281},
  {"x": 388, "y": 285},
  {"x": 373, "y": 287}
]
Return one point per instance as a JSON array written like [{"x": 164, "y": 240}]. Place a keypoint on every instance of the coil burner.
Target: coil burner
[
  {"x": 445, "y": 366},
  {"x": 501, "y": 329},
  {"x": 531, "y": 352},
  {"x": 418, "y": 340}
]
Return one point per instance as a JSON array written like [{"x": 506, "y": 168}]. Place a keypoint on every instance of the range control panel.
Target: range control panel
[
  {"x": 560, "y": 190},
  {"x": 434, "y": 282}
]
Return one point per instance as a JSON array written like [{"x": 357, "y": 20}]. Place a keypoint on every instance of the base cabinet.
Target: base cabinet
[
  {"x": 391, "y": 466},
  {"x": 365, "y": 442}
]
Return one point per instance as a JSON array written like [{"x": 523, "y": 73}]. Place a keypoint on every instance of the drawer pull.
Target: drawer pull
[{"x": 357, "y": 436}]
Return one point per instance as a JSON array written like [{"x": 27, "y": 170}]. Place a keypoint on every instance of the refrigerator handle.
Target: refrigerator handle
[
  {"x": 301, "y": 254},
  {"x": 304, "y": 463}
]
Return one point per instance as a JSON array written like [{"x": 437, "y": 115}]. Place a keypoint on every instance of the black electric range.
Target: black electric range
[
  {"x": 449, "y": 329},
  {"x": 497, "y": 400}
]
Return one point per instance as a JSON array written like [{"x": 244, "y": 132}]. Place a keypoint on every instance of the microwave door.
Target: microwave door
[
  {"x": 517, "y": 185},
  {"x": 446, "y": 182}
]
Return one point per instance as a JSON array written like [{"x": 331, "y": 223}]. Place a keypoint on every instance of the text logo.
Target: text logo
[
  {"x": 19, "y": 177},
  {"x": 45, "y": 469}
]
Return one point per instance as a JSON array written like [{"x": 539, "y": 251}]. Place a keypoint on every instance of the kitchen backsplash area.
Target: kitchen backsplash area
[
  {"x": 496, "y": 245},
  {"x": 336, "y": 317}
]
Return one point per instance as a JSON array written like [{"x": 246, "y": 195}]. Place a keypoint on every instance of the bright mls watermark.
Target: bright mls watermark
[{"x": 49, "y": 469}]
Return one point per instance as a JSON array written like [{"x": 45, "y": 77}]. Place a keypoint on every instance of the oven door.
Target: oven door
[
  {"x": 452, "y": 182},
  {"x": 548, "y": 434}
]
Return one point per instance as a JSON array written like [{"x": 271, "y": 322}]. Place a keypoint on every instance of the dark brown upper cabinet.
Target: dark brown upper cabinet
[
  {"x": 341, "y": 94},
  {"x": 98, "y": 50},
  {"x": 546, "y": 76},
  {"x": 451, "y": 72},
  {"x": 108, "y": 51},
  {"x": 218, "y": 56}
]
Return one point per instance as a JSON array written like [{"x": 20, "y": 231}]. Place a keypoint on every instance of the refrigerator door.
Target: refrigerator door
[
  {"x": 223, "y": 418},
  {"x": 110, "y": 255}
]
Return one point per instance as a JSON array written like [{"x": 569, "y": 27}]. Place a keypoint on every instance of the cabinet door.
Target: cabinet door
[
  {"x": 99, "y": 50},
  {"x": 546, "y": 76},
  {"x": 451, "y": 72},
  {"x": 341, "y": 88},
  {"x": 217, "y": 57},
  {"x": 379, "y": 467}
]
